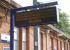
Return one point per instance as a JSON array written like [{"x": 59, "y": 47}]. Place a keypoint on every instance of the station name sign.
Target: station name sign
[{"x": 36, "y": 15}]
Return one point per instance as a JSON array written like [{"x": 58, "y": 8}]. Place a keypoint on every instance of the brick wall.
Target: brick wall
[
  {"x": 4, "y": 29},
  {"x": 55, "y": 42}
]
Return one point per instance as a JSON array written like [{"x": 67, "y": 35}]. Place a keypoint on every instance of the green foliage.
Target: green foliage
[{"x": 63, "y": 23}]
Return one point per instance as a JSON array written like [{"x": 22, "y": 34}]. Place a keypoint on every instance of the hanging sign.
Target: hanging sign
[{"x": 5, "y": 38}]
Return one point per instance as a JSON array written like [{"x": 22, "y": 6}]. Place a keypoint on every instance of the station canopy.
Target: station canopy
[{"x": 36, "y": 15}]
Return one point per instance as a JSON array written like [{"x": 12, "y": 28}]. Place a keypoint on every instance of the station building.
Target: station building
[
  {"x": 49, "y": 38},
  {"x": 32, "y": 37}
]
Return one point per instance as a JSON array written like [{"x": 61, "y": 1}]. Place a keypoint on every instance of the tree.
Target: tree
[{"x": 63, "y": 24}]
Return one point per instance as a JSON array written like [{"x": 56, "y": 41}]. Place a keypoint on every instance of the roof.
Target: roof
[
  {"x": 59, "y": 31},
  {"x": 9, "y": 4}
]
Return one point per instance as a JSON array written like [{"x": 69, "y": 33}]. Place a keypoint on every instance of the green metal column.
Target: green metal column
[{"x": 36, "y": 31}]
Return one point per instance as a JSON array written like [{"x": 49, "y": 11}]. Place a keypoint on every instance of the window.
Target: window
[
  {"x": 15, "y": 38},
  {"x": 6, "y": 48},
  {"x": 23, "y": 39},
  {"x": 16, "y": 33},
  {"x": 15, "y": 45}
]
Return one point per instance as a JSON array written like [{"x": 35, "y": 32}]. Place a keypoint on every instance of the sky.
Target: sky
[{"x": 64, "y": 5}]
